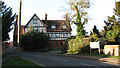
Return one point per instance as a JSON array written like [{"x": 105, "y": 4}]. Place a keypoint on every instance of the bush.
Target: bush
[
  {"x": 65, "y": 48},
  {"x": 78, "y": 45},
  {"x": 34, "y": 40},
  {"x": 86, "y": 43}
]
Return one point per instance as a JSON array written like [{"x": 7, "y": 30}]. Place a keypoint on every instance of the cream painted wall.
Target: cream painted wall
[{"x": 40, "y": 25}]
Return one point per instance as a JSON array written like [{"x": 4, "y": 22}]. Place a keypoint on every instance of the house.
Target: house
[{"x": 57, "y": 30}]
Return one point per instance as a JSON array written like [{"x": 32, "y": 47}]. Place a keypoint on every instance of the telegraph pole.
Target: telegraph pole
[{"x": 19, "y": 30}]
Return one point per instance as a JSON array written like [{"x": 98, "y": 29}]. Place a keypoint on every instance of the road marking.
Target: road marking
[
  {"x": 58, "y": 59},
  {"x": 86, "y": 64}
]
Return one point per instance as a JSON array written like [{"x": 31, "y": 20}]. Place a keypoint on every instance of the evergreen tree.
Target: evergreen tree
[
  {"x": 7, "y": 21},
  {"x": 112, "y": 26},
  {"x": 96, "y": 31},
  {"x": 95, "y": 34}
]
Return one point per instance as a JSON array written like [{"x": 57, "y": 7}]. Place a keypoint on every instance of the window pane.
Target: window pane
[
  {"x": 50, "y": 35},
  {"x": 53, "y": 27},
  {"x": 57, "y": 35},
  {"x": 35, "y": 21},
  {"x": 65, "y": 35},
  {"x": 35, "y": 28}
]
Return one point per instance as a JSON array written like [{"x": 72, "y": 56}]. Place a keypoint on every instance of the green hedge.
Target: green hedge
[{"x": 34, "y": 40}]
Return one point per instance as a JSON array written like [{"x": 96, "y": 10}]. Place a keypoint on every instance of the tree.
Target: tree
[
  {"x": 78, "y": 15},
  {"x": 95, "y": 34},
  {"x": 117, "y": 8},
  {"x": 7, "y": 21},
  {"x": 95, "y": 30},
  {"x": 112, "y": 26}
]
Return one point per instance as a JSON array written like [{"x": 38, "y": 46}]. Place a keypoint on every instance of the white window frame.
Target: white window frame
[
  {"x": 50, "y": 35},
  {"x": 53, "y": 27},
  {"x": 57, "y": 35},
  {"x": 64, "y": 35}
]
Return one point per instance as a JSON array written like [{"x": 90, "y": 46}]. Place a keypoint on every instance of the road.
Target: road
[{"x": 51, "y": 60}]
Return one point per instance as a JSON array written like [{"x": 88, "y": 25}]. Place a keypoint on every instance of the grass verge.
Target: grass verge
[
  {"x": 101, "y": 55},
  {"x": 14, "y": 63}
]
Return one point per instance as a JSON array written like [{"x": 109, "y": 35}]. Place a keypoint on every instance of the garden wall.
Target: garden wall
[{"x": 113, "y": 50}]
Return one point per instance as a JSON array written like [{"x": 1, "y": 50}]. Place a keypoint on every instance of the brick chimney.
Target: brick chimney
[{"x": 46, "y": 18}]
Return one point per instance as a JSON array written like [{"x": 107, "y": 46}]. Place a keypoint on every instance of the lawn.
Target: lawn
[{"x": 13, "y": 63}]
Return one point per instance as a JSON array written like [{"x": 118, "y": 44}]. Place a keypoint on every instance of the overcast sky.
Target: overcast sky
[{"x": 98, "y": 11}]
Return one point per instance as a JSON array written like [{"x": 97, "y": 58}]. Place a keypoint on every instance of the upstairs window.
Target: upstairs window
[
  {"x": 53, "y": 27},
  {"x": 34, "y": 21},
  {"x": 57, "y": 35},
  {"x": 64, "y": 35},
  {"x": 50, "y": 35},
  {"x": 64, "y": 27}
]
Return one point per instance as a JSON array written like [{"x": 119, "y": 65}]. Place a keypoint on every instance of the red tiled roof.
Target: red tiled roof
[
  {"x": 22, "y": 30},
  {"x": 59, "y": 24}
]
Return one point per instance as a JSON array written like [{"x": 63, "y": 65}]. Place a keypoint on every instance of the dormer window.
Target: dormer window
[
  {"x": 34, "y": 21},
  {"x": 64, "y": 26},
  {"x": 53, "y": 27}
]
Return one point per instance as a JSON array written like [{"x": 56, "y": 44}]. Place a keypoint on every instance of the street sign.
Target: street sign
[{"x": 95, "y": 45}]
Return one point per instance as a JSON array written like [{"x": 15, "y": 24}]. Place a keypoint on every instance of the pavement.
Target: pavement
[{"x": 109, "y": 60}]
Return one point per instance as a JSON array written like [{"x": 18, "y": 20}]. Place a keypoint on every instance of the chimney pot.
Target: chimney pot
[{"x": 46, "y": 18}]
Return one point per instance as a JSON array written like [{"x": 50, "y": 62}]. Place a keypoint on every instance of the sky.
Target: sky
[{"x": 55, "y": 10}]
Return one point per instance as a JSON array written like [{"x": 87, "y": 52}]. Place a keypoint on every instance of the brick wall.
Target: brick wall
[{"x": 57, "y": 44}]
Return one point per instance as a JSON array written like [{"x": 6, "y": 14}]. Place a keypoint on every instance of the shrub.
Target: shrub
[
  {"x": 34, "y": 40},
  {"x": 86, "y": 43},
  {"x": 65, "y": 48},
  {"x": 78, "y": 45}
]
